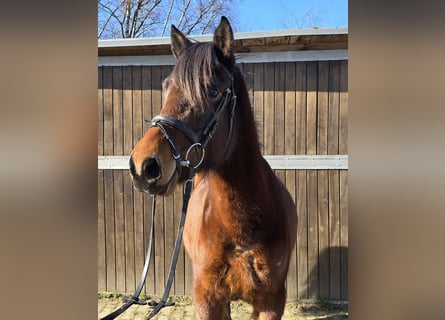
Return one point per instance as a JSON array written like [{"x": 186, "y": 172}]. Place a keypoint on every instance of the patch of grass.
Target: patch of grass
[
  {"x": 322, "y": 307},
  {"x": 240, "y": 307},
  {"x": 181, "y": 300},
  {"x": 108, "y": 295}
]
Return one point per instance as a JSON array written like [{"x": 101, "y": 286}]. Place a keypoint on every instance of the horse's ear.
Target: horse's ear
[
  {"x": 224, "y": 42},
  {"x": 179, "y": 42}
]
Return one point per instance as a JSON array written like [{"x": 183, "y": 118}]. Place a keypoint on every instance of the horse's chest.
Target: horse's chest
[
  {"x": 246, "y": 271},
  {"x": 225, "y": 241}
]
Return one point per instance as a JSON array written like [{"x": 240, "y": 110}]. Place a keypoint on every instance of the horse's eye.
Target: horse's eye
[{"x": 213, "y": 92}]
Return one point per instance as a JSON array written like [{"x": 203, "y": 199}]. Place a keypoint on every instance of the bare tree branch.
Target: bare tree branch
[
  {"x": 148, "y": 14},
  {"x": 168, "y": 18},
  {"x": 201, "y": 9},
  {"x": 135, "y": 18},
  {"x": 183, "y": 11},
  {"x": 111, "y": 15}
]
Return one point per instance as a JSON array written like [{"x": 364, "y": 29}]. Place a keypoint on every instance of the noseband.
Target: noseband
[{"x": 199, "y": 138}]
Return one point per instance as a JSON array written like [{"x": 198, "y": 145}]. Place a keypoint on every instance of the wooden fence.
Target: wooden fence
[{"x": 305, "y": 104}]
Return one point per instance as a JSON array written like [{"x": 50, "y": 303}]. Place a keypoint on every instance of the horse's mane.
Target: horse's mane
[{"x": 194, "y": 71}]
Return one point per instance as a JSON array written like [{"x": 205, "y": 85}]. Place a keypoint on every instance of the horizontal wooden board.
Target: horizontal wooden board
[
  {"x": 248, "y": 57},
  {"x": 284, "y": 162}
]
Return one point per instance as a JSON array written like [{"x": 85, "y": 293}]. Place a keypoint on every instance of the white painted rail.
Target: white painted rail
[{"x": 283, "y": 162}]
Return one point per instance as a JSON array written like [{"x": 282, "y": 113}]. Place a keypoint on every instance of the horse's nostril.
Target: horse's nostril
[{"x": 151, "y": 169}]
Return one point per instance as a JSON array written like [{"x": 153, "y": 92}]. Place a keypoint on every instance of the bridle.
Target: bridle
[{"x": 198, "y": 138}]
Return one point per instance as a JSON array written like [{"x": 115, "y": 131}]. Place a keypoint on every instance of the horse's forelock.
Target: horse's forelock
[{"x": 193, "y": 72}]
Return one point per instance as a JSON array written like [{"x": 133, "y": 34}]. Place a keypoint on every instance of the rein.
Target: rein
[
  {"x": 199, "y": 140},
  {"x": 134, "y": 299}
]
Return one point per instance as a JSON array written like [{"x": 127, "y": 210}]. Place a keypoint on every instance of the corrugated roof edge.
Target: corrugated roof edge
[{"x": 208, "y": 37}]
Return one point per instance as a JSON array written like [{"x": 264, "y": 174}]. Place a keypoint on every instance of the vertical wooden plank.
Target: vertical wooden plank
[
  {"x": 101, "y": 244},
  {"x": 127, "y": 100},
  {"x": 334, "y": 234},
  {"x": 130, "y": 275},
  {"x": 290, "y": 175},
  {"x": 290, "y": 109},
  {"x": 159, "y": 248},
  {"x": 118, "y": 137},
  {"x": 156, "y": 89},
  {"x": 258, "y": 101},
  {"x": 322, "y": 105},
  {"x": 110, "y": 252},
  {"x": 313, "y": 281},
  {"x": 140, "y": 245},
  {"x": 334, "y": 95},
  {"x": 312, "y": 203},
  {"x": 323, "y": 181},
  {"x": 150, "y": 281},
  {"x": 137, "y": 112},
  {"x": 301, "y": 97},
  {"x": 100, "y": 113},
  {"x": 278, "y": 136},
  {"x": 301, "y": 194},
  {"x": 344, "y": 244},
  {"x": 343, "y": 149},
  {"x": 334, "y": 181},
  {"x": 311, "y": 120},
  {"x": 147, "y": 105},
  {"x": 302, "y": 236},
  {"x": 119, "y": 227},
  {"x": 130, "y": 268},
  {"x": 171, "y": 225},
  {"x": 139, "y": 240},
  {"x": 107, "y": 81},
  {"x": 269, "y": 110},
  {"x": 279, "y": 108},
  {"x": 323, "y": 233},
  {"x": 343, "y": 121},
  {"x": 109, "y": 231}
]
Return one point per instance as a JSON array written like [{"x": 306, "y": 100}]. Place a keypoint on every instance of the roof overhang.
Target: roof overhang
[{"x": 282, "y": 40}]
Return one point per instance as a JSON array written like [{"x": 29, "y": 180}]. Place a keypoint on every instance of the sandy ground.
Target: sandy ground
[{"x": 183, "y": 309}]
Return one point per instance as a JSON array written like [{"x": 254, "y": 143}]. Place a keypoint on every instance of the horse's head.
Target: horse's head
[{"x": 195, "y": 122}]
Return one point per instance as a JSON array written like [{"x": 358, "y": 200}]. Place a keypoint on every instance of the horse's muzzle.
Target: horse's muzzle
[{"x": 148, "y": 178}]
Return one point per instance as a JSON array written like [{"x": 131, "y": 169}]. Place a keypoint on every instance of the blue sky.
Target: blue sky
[{"x": 261, "y": 15}]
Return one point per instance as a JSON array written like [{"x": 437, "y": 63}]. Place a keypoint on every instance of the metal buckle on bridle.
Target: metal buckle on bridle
[{"x": 186, "y": 161}]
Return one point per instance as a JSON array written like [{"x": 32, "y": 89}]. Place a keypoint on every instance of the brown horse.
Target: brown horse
[{"x": 241, "y": 221}]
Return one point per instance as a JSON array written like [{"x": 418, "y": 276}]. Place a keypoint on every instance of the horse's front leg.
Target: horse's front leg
[
  {"x": 270, "y": 306},
  {"x": 208, "y": 303}
]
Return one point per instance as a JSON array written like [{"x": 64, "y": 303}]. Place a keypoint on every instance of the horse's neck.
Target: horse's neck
[{"x": 245, "y": 157}]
